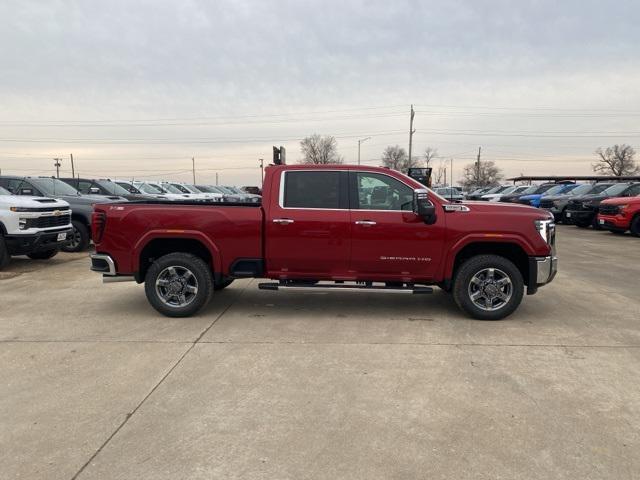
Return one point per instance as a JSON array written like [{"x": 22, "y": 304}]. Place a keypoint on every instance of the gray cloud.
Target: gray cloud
[{"x": 123, "y": 60}]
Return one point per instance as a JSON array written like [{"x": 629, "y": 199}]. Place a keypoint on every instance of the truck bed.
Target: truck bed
[{"x": 231, "y": 230}]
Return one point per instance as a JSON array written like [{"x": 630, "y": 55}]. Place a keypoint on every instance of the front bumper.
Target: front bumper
[
  {"x": 542, "y": 270},
  {"x": 613, "y": 222},
  {"x": 579, "y": 216},
  {"x": 37, "y": 242}
]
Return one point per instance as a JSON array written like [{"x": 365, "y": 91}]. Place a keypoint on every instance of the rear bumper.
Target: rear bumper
[
  {"x": 104, "y": 264},
  {"x": 542, "y": 270},
  {"x": 38, "y": 242}
]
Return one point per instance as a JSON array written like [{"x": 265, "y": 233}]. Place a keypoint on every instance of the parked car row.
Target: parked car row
[
  {"x": 614, "y": 206},
  {"x": 41, "y": 215}
]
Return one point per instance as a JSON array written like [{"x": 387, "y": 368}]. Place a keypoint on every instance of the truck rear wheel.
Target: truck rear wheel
[
  {"x": 4, "y": 253},
  {"x": 488, "y": 287},
  {"x": 44, "y": 255},
  {"x": 79, "y": 238},
  {"x": 178, "y": 284}
]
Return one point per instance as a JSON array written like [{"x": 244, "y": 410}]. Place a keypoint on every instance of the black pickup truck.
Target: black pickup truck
[{"x": 583, "y": 211}]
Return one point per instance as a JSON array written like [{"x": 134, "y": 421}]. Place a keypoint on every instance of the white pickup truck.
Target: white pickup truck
[{"x": 32, "y": 226}]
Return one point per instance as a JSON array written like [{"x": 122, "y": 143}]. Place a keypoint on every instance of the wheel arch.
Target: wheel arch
[
  {"x": 511, "y": 250},
  {"x": 155, "y": 246}
]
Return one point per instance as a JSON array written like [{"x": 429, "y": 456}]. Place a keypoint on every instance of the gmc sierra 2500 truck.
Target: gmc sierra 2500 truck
[{"x": 329, "y": 227}]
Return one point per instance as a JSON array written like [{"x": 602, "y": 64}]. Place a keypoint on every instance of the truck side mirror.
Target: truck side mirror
[{"x": 423, "y": 207}]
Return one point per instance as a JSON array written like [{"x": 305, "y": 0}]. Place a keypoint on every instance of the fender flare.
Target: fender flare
[
  {"x": 216, "y": 257},
  {"x": 461, "y": 243}
]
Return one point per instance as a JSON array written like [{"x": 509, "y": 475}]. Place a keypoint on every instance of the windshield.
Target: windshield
[
  {"x": 192, "y": 189},
  {"x": 599, "y": 188},
  {"x": 53, "y": 186},
  {"x": 112, "y": 188},
  {"x": 447, "y": 191},
  {"x": 226, "y": 190},
  {"x": 556, "y": 189},
  {"x": 176, "y": 186},
  {"x": 509, "y": 190},
  {"x": 581, "y": 189},
  {"x": 129, "y": 187},
  {"x": 207, "y": 189},
  {"x": 146, "y": 188},
  {"x": 238, "y": 190},
  {"x": 171, "y": 189},
  {"x": 4, "y": 192},
  {"x": 616, "y": 189},
  {"x": 542, "y": 188}
]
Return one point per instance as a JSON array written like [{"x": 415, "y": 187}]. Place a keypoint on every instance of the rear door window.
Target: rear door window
[{"x": 315, "y": 189}]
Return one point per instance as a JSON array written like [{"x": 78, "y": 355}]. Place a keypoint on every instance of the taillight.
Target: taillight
[{"x": 98, "y": 223}]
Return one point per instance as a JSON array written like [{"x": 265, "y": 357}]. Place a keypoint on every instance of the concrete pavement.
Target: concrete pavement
[{"x": 95, "y": 384}]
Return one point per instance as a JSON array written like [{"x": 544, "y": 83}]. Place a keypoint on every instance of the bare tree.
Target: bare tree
[
  {"x": 617, "y": 160},
  {"x": 320, "y": 150},
  {"x": 395, "y": 157},
  {"x": 430, "y": 154},
  {"x": 439, "y": 173},
  {"x": 489, "y": 175}
]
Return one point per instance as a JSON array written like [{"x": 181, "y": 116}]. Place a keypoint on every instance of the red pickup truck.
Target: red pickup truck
[
  {"x": 329, "y": 227},
  {"x": 620, "y": 214}
]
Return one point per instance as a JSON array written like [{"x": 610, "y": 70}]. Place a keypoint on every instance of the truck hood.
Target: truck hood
[
  {"x": 32, "y": 202},
  {"x": 89, "y": 199},
  {"x": 499, "y": 208},
  {"x": 621, "y": 200}
]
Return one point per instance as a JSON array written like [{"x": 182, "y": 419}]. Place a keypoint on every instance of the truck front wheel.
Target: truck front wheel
[
  {"x": 635, "y": 226},
  {"x": 4, "y": 253},
  {"x": 79, "y": 240},
  {"x": 488, "y": 287},
  {"x": 178, "y": 284}
]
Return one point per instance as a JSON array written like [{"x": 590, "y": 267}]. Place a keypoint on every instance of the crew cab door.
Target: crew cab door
[
  {"x": 388, "y": 240},
  {"x": 308, "y": 225}
]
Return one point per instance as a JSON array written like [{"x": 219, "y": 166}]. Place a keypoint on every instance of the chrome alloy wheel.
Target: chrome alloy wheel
[
  {"x": 490, "y": 289},
  {"x": 176, "y": 286},
  {"x": 74, "y": 239}
]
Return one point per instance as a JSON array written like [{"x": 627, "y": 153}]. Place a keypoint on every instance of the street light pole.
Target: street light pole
[{"x": 360, "y": 142}]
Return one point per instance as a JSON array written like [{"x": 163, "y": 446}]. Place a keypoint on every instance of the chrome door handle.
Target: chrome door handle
[
  {"x": 366, "y": 223},
  {"x": 282, "y": 221}
]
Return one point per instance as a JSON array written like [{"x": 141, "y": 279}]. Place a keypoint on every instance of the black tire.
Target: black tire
[
  {"x": 222, "y": 284},
  {"x": 617, "y": 231},
  {"x": 160, "y": 296},
  {"x": 503, "y": 268},
  {"x": 635, "y": 226},
  {"x": 4, "y": 253},
  {"x": 44, "y": 255},
  {"x": 79, "y": 238},
  {"x": 595, "y": 224}
]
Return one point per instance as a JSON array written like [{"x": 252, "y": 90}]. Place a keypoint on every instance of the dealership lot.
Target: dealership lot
[{"x": 96, "y": 384}]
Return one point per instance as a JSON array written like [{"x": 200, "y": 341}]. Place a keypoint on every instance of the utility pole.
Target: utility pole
[
  {"x": 411, "y": 132},
  {"x": 261, "y": 160},
  {"x": 193, "y": 168},
  {"x": 478, "y": 166},
  {"x": 359, "y": 143},
  {"x": 445, "y": 176},
  {"x": 216, "y": 178},
  {"x": 73, "y": 171},
  {"x": 451, "y": 174},
  {"x": 57, "y": 164}
]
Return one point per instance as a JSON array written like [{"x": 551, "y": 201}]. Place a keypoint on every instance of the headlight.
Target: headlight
[
  {"x": 18, "y": 209},
  {"x": 622, "y": 207},
  {"x": 545, "y": 228}
]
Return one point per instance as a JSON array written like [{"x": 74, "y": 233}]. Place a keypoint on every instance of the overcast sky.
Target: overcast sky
[{"x": 136, "y": 88}]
